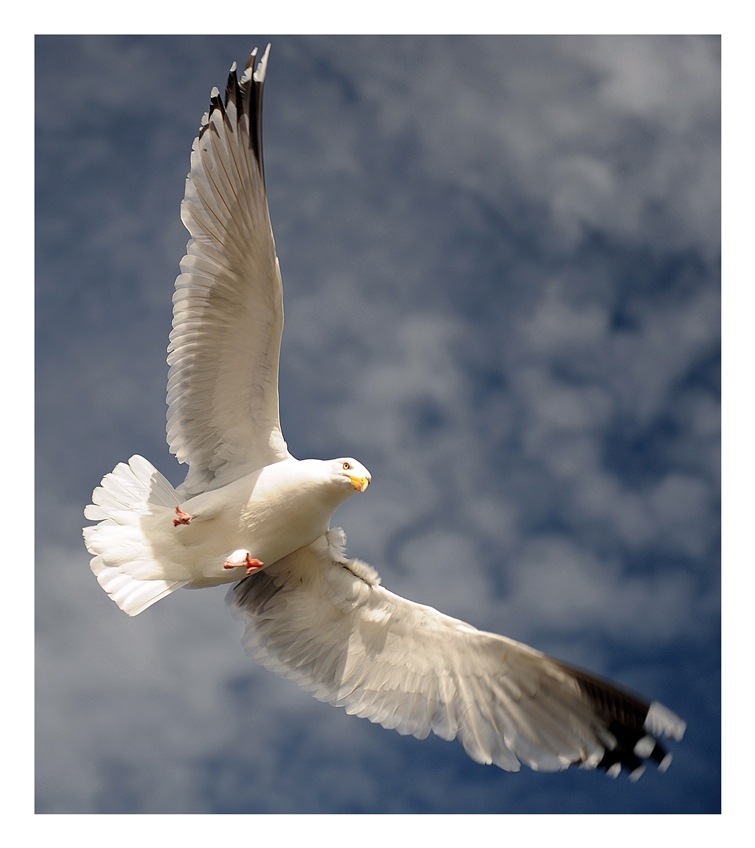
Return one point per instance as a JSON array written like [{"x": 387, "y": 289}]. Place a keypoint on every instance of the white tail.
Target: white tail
[{"x": 131, "y": 500}]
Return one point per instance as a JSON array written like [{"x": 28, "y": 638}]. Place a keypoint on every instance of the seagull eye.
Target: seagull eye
[{"x": 346, "y": 466}]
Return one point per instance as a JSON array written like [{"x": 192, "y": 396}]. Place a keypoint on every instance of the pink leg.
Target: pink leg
[
  {"x": 183, "y": 517},
  {"x": 249, "y": 564}
]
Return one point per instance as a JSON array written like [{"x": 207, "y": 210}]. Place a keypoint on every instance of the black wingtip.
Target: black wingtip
[
  {"x": 232, "y": 91},
  {"x": 628, "y": 754},
  {"x": 246, "y": 95},
  {"x": 630, "y": 726}
]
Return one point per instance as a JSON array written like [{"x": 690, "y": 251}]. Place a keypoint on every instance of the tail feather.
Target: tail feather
[{"x": 129, "y": 499}]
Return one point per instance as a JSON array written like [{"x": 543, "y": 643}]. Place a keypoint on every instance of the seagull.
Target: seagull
[{"x": 251, "y": 514}]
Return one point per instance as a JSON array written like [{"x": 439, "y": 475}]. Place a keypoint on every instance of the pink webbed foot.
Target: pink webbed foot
[
  {"x": 251, "y": 565},
  {"x": 183, "y": 517}
]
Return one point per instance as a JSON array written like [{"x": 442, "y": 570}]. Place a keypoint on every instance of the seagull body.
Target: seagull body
[
  {"x": 267, "y": 514},
  {"x": 311, "y": 613}
]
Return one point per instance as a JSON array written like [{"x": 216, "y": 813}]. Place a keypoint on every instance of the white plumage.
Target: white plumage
[{"x": 311, "y": 614}]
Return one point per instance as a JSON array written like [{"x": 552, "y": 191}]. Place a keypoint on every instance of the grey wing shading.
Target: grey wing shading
[
  {"x": 224, "y": 349},
  {"x": 325, "y": 622}
]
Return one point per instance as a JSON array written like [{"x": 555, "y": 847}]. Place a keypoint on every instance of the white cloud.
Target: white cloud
[{"x": 570, "y": 589}]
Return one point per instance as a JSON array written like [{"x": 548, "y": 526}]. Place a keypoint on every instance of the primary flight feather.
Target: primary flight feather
[{"x": 312, "y": 614}]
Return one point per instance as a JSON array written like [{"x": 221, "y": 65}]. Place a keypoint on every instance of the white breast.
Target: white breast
[{"x": 270, "y": 513}]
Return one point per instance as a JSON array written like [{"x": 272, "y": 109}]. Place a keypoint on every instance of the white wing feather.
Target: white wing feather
[
  {"x": 326, "y": 623},
  {"x": 228, "y": 304}
]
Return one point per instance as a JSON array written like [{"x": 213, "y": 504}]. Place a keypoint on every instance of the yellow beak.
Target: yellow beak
[{"x": 359, "y": 483}]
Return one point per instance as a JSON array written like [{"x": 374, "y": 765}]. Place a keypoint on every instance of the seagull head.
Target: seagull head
[{"x": 353, "y": 472}]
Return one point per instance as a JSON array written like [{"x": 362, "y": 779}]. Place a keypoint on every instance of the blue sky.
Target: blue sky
[{"x": 501, "y": 265}]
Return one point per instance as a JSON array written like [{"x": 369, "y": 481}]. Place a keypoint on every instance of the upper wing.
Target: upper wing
[
  {"x": 326, "y": 623},
  {"x": 228, "y": 304}
]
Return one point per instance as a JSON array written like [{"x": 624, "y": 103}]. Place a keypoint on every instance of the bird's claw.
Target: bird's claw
[
  {"x": 183, "y": 517},
  {"x": 249, "y": 563}
]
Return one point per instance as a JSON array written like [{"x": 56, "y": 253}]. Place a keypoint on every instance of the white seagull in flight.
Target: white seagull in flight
[{"x": 311, "y": 613}]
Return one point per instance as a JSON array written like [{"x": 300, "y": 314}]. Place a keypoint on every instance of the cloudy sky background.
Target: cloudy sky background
[{"x": 501, "y": 265}]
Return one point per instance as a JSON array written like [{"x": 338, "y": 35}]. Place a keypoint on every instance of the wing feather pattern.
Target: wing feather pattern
[
  {"x": 325, "y": 622},
  {"x": 228, "y": 305}
]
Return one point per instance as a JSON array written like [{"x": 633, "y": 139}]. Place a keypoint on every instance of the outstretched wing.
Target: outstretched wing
[
  {"x": 325, "y": 622},
  {"x": 228, "y": 304}
]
